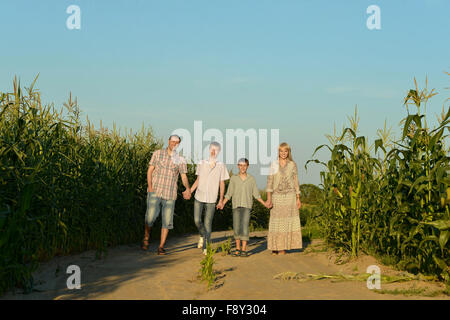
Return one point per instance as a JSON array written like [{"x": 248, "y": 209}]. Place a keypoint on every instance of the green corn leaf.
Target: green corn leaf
[
  {"x": 439, "y": 224},
  {"x": 443, "y": 238}
]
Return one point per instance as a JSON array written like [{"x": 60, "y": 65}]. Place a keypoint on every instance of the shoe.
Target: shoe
[
  {"x": 244, "y": 254},
  {"x": 200, "y": 243},
  {"x": 236, "y": 253},
  {"x": 205, "y": 252},
  {"x": 161, "y": 251}
]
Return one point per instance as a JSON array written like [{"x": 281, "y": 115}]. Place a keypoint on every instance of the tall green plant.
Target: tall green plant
[
  {"x": 396, "y": 205},
  {"x": 65, "y": 187}
]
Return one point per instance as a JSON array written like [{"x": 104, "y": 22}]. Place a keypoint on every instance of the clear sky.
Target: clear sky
[{"x": 293, "y": 65}]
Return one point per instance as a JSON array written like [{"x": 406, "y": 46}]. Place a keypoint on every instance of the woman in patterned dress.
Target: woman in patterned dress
[{"x": 283, "y": 193}]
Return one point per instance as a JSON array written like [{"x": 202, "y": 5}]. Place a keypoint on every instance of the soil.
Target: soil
[{"x": 127, "y": 272}]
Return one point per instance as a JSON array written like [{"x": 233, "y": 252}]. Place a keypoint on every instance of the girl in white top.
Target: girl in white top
[{"x": 211, "y": 176}]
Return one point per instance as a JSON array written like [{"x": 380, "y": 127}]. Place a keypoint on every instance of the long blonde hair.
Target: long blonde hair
[{"x": 285, "y": 145}]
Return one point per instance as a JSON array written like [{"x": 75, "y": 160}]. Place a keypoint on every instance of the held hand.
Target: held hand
[
  {"x": 220, "y": 205},
  {"x": 186, "y": 194},
  {"x": 269, "y": 204}
]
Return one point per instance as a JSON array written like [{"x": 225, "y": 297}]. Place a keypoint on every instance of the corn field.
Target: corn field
[
  {"x": 395, "y": 205},
  {"x": 65, "y": 187}
]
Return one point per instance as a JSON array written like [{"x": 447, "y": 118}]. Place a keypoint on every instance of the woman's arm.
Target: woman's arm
[
  {"x": 297, "y": 186},
  {"x": 260, "y": 200},
  {"x": 296, "y": 182}
]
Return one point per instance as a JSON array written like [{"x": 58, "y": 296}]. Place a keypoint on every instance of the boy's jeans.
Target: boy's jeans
[
  {"x": 204, "y": 227},
  {"x": 241, "y": 220}
]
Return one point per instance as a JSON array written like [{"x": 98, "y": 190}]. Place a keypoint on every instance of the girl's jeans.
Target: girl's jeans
[{"x": 204, "y": 227}]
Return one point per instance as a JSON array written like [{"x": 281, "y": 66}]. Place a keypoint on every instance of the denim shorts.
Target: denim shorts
[{"x": 155, "y": 205}]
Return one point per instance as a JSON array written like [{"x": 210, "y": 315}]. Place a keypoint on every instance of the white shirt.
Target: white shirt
[{"x": 209, "y": 179}]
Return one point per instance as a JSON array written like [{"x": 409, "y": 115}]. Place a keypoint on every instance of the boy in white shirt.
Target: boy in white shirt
[{"x": 211, "y": 176}]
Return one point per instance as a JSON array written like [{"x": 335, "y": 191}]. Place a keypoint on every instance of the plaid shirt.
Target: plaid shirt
[{"x": 165, "y": 175}]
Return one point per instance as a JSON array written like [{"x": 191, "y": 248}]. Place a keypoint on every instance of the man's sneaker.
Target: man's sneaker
[
  {"x": 205, "y": 252},
  {"x": 200, "y": 243}
]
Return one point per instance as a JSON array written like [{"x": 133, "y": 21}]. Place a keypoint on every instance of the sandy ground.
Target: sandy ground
[{"x": 127, "y": 272}]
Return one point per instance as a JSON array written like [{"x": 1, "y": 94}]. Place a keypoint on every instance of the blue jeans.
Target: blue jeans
[
  {"x": 241, "y": 220},
  {"x": 154, "y": 205},
  {"x": 205, "y": 227}
]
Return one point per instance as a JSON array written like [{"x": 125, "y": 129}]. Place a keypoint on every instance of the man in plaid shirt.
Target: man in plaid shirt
[{"x": 162, "y": 177}]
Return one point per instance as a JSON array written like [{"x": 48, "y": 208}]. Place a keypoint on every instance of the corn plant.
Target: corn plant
[
  {"x": 206, "y": 271},
  {"x": 65, "y": 187},
  {"x": 226, "y": 247},
  {"x": 397, "y": 205}
]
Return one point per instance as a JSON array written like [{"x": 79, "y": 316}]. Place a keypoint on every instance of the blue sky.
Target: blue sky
[{"x": 297, "y": 66}]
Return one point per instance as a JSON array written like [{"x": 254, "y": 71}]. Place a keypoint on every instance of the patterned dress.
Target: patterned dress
[{"x": 284, "y": 225}]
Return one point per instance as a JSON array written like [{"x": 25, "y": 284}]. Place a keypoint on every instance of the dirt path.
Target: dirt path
[{"x": 130, "y": 273}]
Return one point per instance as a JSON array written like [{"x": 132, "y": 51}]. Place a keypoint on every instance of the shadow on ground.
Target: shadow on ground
[{"x": 130, "y": 266}]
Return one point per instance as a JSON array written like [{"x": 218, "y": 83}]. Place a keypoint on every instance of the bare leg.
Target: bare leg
[
  {"x": 164, "y": 233},
  {"x": 147, "y": 232},
  {"x": 244, "y": 245},
  {"x": 146, "y": 237},
  {"x": 238, "y": 244}
]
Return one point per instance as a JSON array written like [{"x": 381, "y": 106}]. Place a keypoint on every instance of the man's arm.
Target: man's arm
[
  {"x": 182, "y": 169},
  {"x": 149, "y": 178},
  {"x": 185, "y": 181},
  {"x": 222, "y": 190}
]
